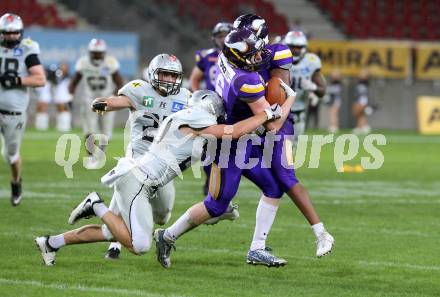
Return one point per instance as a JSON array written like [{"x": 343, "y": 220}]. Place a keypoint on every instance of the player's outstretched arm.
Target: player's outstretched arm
[{"x": 243, "y": 127}]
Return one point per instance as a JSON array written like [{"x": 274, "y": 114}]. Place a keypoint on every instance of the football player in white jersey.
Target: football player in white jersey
[
  {"x": 305, "y": 76},
  {"x": 180, "y": 138},
  {"x": 96, "y": 75},
  {"x": 150, "y": 101},
  {"x": 20, "y": 68}
]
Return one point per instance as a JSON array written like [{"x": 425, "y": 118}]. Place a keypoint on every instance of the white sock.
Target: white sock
[
  {"x": 115, "y": 245},
  {"x": 100, "y": 209},
  {"x": 56, "y": 241},
  {"x": 318, "y": 229},
  {"x": 42, "y": 121},
  {"x": 182, "y": 225},
  {"x": 63, "y": 121},
  {"x": 264, "y": 219}
]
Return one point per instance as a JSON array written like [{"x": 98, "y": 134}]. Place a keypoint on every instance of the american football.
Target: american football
[{"x": 274, "y": 92}]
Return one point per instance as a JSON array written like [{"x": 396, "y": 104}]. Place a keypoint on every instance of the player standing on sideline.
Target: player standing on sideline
[
  {"x": 56, "y": 90},
  {"x": 306, "y": 78},
  {"x": 205, "y": 70},
  {"x": 97, "y": 75},
  {"x": 136, "y": 181},
  {"x": 20, "y": 68}
]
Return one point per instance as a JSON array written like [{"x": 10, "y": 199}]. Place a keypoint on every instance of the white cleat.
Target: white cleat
[
  {"x": 231, "y": 214},
  {"x": 324, "y": 244},
  {"x": 47, "y": 252},
  {"x": 85, "y": 208}
]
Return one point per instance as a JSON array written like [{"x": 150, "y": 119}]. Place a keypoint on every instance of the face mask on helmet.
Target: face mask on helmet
[
  {"x": 209, "y": 102},
  {"x": 254, "y": 23},
  {"x": 165, "y": 74},
  {"x": 297, "y": 42},
  {"x": 220, "y": 31},
  {"x": 97, "y": 49},
  {"x": 245, "y": 51},
  {"x": 11, "y": 30}
]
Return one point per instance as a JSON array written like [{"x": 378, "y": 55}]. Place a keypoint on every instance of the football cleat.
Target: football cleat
[
  {"x": 263, "y": 257},
  {"x": 16, "y": 193},
  {"x": 163, "y": 248},
  {"x": 85, "y": 208},
  {"x": 324, "y": 244},
  {"x": 48, "y": 253},
  {"x": 112, "y": 254},
  {"x": 231, "y": 214}
]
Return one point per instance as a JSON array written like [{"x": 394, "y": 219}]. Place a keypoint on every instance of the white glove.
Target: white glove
[
  {"x": 287, "y": 89},
  {"x": 274, "y": 112},
  {"x": 308, "y": 85}
]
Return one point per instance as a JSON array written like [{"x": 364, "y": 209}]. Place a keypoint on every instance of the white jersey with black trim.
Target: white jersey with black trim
[
  {"x": 151, "y": 110},
  {"x": 304, "y": 69},
  {"x": 172, "y": 151},
  {"x": 97, "y": 80},
  {"x": 13, "y": 61}
]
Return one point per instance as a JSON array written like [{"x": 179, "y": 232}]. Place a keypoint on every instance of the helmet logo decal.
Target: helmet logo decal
[{"x": 10, "y": 18}]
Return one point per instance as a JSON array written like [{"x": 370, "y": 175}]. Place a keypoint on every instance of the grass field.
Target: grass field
[{"x": 385, "y": 222}]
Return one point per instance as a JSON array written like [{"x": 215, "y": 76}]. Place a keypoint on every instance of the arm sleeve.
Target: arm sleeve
[
  {"x": 281, "y": 56},
  {"x": 32, "y": 60}
]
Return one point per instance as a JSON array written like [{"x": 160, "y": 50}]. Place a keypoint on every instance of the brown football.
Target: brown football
[{"x": 274, "y": 92}]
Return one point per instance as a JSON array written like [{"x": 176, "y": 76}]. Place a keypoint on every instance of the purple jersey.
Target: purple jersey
[
  {"x": 237, "y": 88},
  {"x": 206, "y": 61},
  {"x": 281, "y": 58}
]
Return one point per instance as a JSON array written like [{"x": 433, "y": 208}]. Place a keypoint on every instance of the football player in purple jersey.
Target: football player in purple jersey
[
  {"x": 282, "y": 157},
  {"x": 275, "y": 60},
  {"x": 242, "y": 89}
]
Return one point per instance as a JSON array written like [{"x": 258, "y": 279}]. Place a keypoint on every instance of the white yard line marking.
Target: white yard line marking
[{"x": 81, "y": 288}]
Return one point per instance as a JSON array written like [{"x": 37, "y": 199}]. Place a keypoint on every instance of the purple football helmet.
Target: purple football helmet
[
  {"x": 245, "y": 51},
  {"x": 254, "y": 23}
]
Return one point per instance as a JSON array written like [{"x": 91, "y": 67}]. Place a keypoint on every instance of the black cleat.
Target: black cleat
[
  {"x": 112, "y": 254},
  {"x": 16, "y": 194}
]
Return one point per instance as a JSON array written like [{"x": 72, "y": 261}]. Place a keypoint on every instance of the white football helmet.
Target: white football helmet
[
  {"x": 208, "y": 101},
  {"x": 297, "y": 42},
  {"x": 165, "y": 64},
  {"x": 97, "y": 49},
  {"x": 10, "y": 23}
]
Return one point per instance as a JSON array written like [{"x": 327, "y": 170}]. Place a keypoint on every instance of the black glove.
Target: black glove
[
  {"x": 99, "y": 106},
  {"x": 10, "y": 80}
]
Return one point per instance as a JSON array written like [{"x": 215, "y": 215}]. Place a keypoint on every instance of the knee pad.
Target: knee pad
[
  {"x": 141, "y": 245},
  {"x": 106, "y": 232}
]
